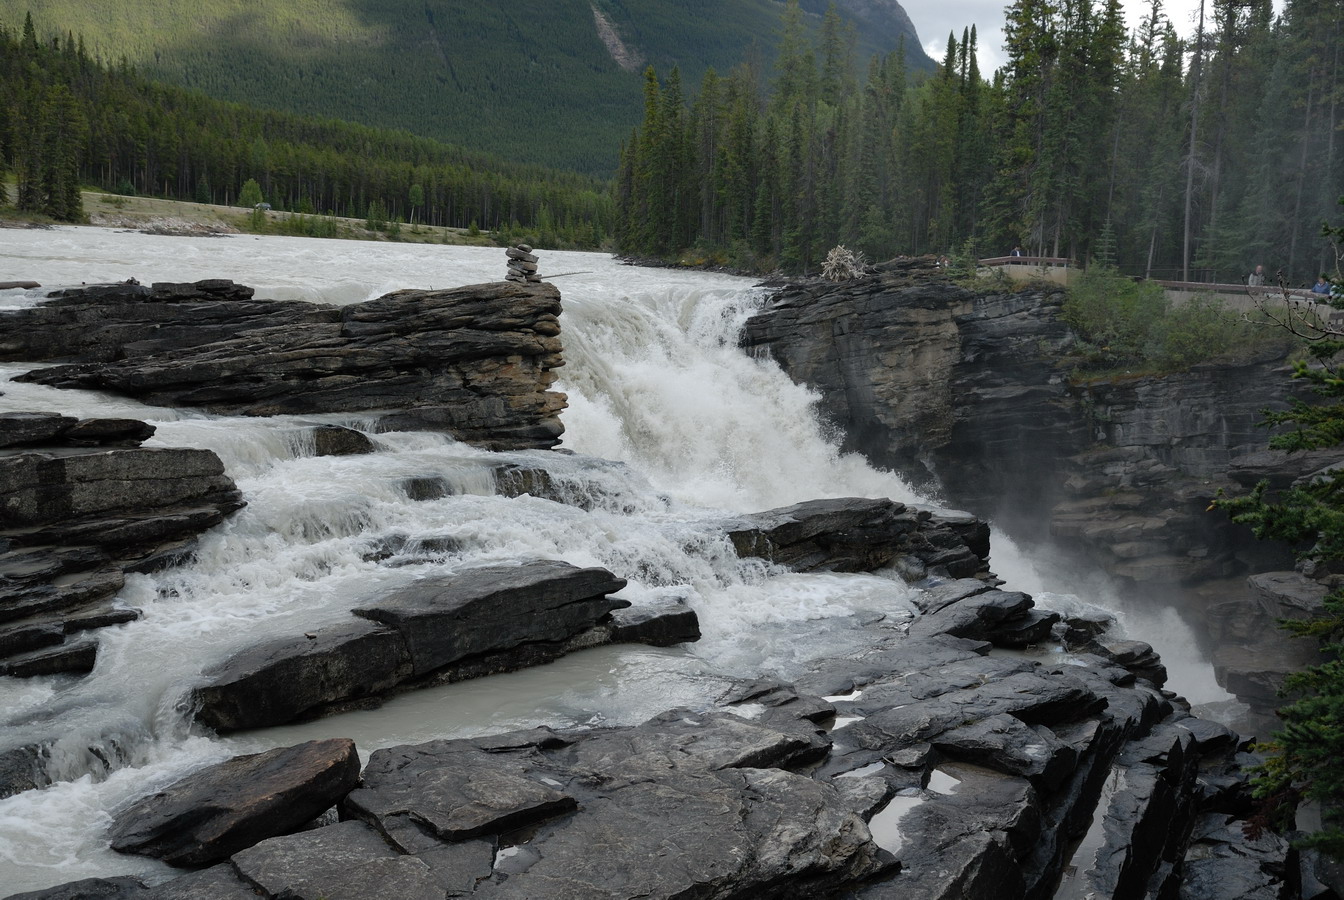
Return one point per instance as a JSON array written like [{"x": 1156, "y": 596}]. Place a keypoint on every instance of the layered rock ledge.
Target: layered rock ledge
[
  {"x": 81, "y": 505},
  {"x": 924, "y": 766},
  {"x": 474, "y": 362}
]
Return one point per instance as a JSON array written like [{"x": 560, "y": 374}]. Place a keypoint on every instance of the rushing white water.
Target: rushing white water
[{"x": 673, "y": 428}]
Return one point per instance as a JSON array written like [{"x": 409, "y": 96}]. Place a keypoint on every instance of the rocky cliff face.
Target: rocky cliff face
[
  {"x": 475, "y": 362},
  {"x": 971, "y": 392}
]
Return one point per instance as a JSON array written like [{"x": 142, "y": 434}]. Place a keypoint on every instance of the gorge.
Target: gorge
[{"x": 854, "y": 733}]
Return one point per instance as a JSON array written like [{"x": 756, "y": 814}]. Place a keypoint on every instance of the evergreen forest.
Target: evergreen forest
[
  {"x": 1170, "y": 158},
  {"x": 529, "y": 82},
  {"x": 67, "y": 119}
]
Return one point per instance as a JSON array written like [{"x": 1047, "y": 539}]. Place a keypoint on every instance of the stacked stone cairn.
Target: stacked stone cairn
[{"x": 522, "y": 265}]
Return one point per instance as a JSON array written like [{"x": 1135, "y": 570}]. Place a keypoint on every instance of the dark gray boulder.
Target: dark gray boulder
[
  {"x": 74, "y": 658},
  {"x": 121, "y": 888},
  {"x": 219, "y": 882},
  {"x": 663, "y": 623},
  {"x": 1009, "y": 745},
  {"x": 334, "y": 440},
  {"x": 216, "y": 812},
  {"x": 436, "y": 629},
  {"x": 347, "y": 861},
  {"x": 18, "y": 428},
  {"x": 300, "y": 677},
  {"x": 858, "y": 534},
  {"x": 444, "y": 620}
]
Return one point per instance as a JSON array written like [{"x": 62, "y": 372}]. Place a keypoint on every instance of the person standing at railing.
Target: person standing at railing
[
  {"x": 1017, "y": 251},
  {"x": 1322, "y": 286},
  {"x": 1256, "y": 278}
]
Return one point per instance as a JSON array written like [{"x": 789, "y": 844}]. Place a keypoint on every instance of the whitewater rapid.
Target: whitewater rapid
[{"x": 672, "y": 428}]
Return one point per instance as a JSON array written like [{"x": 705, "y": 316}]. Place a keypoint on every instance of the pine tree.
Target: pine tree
[{"x": 63, "y": 143}]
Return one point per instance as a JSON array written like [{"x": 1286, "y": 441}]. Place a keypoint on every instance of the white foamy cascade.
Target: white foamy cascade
[{"x": 674, "y": 428}]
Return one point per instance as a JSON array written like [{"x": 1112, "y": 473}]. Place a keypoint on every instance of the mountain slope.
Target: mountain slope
[{"x": 533, "y": 82}]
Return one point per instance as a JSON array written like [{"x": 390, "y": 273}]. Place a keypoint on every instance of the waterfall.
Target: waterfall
[{"x": 672, "y": 428}]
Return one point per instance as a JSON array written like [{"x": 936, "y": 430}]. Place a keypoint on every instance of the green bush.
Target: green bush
[
  {"x": 250, "y": 195},
  {"x": 376, "y": 220},
  {"x": 1132, "y": 324},
  {"x": 1115, "y": 315}
]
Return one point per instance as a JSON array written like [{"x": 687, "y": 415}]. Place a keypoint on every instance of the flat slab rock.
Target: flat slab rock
[
  {"x": 790, "y": 802},
  {"x": 688, "y": 804},
  {"x": 488, "y": 619},
  {"x": 212, "y": 814}
]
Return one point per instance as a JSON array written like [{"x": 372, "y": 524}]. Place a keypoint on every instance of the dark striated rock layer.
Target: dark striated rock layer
[
  {"x": 975, "y": 391},
  {"x": 475, "y": 362},
  {"x": 81, "y": 505}
]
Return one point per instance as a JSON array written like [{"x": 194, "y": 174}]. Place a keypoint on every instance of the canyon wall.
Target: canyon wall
[{"x": 973, "y": 394}]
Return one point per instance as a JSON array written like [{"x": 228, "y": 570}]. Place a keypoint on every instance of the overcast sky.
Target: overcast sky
[{"x": 935, "y": 18}]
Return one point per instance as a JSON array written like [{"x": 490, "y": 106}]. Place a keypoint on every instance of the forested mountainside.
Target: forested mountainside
[
  {"x": 67, "y": 120},
  {"x": 555, "y": 82},
  {"x": 1188, "y": 159}
]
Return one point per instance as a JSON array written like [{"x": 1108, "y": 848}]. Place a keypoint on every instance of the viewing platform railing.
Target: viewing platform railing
[{"x": 1059, "y": 262}]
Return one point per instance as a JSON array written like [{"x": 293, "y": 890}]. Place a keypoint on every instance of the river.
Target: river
[{"x": 671, "y": 426}]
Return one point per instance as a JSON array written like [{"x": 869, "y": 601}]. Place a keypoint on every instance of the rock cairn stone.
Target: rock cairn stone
[{"x": 522, "y": 265}]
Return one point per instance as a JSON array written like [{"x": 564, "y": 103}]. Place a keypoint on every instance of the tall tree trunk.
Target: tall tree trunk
[
  {"x": 1301, "y": 178},
  {"x": 1195, "y": 73}
]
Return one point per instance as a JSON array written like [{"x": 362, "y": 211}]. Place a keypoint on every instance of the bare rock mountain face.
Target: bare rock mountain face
[{"x": 474, "y": 362}]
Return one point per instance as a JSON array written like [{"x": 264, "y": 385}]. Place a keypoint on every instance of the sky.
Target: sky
[{"x": 935, "y": 18}]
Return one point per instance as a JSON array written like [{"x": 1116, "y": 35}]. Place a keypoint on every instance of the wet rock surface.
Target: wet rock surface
[
  {"x": 929, "y": 378},
  {"x": 857, "y": 534},
  {"x": 921, "y": 767},
  {"x": 475, "y": 362},
  {"x": 82, "y": 505},
  {"x": 502, "y": 618},
  {"x": 214, "y": 813}
]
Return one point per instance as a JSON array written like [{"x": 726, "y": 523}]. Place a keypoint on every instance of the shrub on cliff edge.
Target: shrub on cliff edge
[{"x": 1132, "y": 324}]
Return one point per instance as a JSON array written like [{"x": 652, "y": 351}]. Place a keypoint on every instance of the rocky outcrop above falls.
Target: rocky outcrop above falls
[
  {"x": 475, "y": 362},
  {"x": 81, "y": 505},
  {"x": 855, "y": 534}
]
